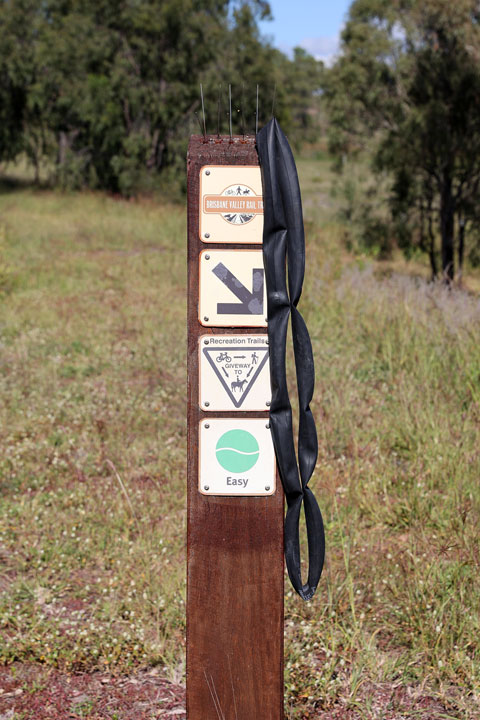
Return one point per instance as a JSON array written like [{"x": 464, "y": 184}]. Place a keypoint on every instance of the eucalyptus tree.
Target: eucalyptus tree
[
  {"x": 106, "y": 90},
  {"x": 407, "y": 83}
]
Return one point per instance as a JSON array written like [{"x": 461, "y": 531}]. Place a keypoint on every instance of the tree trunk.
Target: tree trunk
[
  {"x": 36, "y": 166},
  {"x": 447, "y": 229},
  {"x": 62, "y": 147},
  {"x": 461, "y": 247},
  {"x": 431, "y": 248},
  {"x": 152, "y": 158}
]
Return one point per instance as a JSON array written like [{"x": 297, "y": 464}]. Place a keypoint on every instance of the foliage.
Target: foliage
[
  {"x": 16, "y": 28},
  {"x": 408, "y": 84},
  {"x": 106, "y": 91}
]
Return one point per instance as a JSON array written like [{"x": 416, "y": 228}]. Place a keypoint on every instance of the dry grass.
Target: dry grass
[{"x": 92, "y": 463}]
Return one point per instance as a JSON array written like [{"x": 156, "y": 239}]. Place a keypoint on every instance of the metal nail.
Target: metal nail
[
  {"x": 206, "y": 342},
  {"x": 207, "y": 235},
  {"x": 267, "y": 487},
  {"x": 206, "y": 426},
  {"x": 205, "y": 319},
  {"x": 267, "y": 403},
  {"x": 207, "y": 404},
  {"x": 206, "y": 487},
  {"x": 207, "y": 257},
  {"x": 207, "y": 172},
  {"x": 267, "y": 426}
]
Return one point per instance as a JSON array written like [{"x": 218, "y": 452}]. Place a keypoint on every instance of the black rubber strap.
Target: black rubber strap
[{"x": 284, "y": 246}]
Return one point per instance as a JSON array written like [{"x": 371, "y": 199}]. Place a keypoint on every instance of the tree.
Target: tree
[
  {"x": 106, "y": 90},
  {"x": 17, "y": 28},
  {"x": 300, "y": 82},
  {"x": 116, "y": 80},
  {"x": 408, "y": 82},
  {"x": 244, "y": 60}
]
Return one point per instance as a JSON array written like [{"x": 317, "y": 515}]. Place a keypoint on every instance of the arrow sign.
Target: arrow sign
[
  {"x": 232, "y": 289},
  {"x": 251, "y": 302}
]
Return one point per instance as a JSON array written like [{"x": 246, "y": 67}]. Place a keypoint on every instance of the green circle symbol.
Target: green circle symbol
[{"x": 237, "y": 451}]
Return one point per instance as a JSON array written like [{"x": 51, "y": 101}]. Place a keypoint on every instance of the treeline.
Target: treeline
[
  {"x": 104, "y": 92},
  {"x": 405, "y": 92}
]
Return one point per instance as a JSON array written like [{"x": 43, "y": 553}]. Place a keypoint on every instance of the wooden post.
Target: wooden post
[{"x": 235, "y": 542}]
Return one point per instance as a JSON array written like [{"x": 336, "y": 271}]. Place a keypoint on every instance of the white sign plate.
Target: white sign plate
[
  {"x": 231, "y": 204},
  {"x": 232, "y": 288},
  {"x": 234, "y": 372},
  {"x": 236, "y": 457}
]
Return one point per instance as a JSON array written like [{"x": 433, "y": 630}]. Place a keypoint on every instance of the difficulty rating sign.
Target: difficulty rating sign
[
  {"x": 234, "y": 372},
  {"x": 236, "y": 457},
  {"x": 232, "y": 288}
]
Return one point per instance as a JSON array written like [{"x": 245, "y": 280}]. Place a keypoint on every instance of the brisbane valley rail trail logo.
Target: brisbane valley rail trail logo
[{"x": 238, "y": 204}]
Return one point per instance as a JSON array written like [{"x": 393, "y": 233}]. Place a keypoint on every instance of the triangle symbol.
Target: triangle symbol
[{"x": 250, "y": 360}]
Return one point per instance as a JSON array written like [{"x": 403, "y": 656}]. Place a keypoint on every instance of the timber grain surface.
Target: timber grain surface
[{"x": 235, "y": 544}]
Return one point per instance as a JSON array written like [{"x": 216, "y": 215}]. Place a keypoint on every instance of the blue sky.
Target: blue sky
[{"x": 312, "y": 24}]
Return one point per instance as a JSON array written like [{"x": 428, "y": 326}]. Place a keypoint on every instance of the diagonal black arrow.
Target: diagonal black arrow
[{"x": 251, "y": 303}]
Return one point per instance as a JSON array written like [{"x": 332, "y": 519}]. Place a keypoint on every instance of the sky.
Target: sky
[{"x": 312, "y": 24}]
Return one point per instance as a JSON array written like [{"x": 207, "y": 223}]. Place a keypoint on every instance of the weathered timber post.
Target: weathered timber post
[{"x": 235, "y": 502}]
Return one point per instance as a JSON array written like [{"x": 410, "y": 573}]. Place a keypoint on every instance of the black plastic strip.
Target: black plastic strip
[{"x": 284, "y": 247}]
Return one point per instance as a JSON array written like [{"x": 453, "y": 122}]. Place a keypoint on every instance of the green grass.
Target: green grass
[{"x": 92, "y": 462}]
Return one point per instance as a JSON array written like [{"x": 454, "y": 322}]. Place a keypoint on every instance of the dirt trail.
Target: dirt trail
[{"x": 33, "y": 693}]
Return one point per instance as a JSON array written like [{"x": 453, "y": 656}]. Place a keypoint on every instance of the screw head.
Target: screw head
[
  {"x": 207, "y": 235},
  {"x": 267, "y": 487},
  {"x": 267, "y": 426},
  {"x": 205, "y": 318},
  {"x": 207, "y": 172},
  {"x": 207, "y": 257},
  {"x": 267, "y": 403},
  {"x": 266, "y": 320},
  {"x": 267, "y": 342},
  {"x": 207, "y": 404},
  {"x": 206, "y": 342},
  {"x": 206, "y": 487},
  {"x": 206, "y": 426}
]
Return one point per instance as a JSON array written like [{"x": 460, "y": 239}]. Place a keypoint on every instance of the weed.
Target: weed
[{"x": 92, "y": 462}]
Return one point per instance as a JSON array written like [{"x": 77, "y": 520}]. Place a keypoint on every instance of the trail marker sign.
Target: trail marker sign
[
  {"x": 231, "y": 204},
  {"x": 235, "y": 566},
  {"x": 234, "y": 372},
  {"x": 232, "y": 288},
  {"x": 236, "y": 457}
]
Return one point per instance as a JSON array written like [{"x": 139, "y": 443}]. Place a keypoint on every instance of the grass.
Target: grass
[{"x": 92, "y": 462}]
